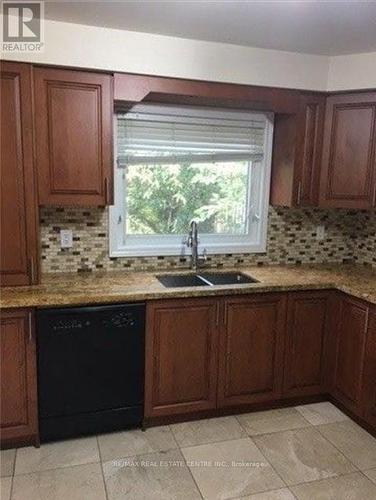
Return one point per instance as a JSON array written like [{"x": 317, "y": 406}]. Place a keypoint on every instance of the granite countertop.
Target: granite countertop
[{"x": 95, "y": 288}]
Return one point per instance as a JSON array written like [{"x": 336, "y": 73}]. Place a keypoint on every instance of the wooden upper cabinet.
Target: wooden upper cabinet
[
  {"x": 181, "y": 356},
  {"x": 73, "y": 119},
  {"x": 350, "y": 351},
  {"x": 297, "y": 154},
  {"x": 369, "y": 375},
  {"x": 309, "y": 150},
  {"x": 19, "y": 225},
  {"x": 307, "y": 326},
  {"x": 251, "y": 349},
  {"x": 349, "y": 157},
  {"x": 18, "y": 418}
]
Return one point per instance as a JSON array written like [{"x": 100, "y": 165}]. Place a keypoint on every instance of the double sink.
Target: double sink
[{"x": 204, "y": 279}]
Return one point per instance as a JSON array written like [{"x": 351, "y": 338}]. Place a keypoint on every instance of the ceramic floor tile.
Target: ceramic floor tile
[
  {"x": 354, "y": 442},
  {"x": 55, "y": 455},
  {"x": 264, "y": 422},
  {"x": 7, "y": 458},
  {"x": 230, "y": 469},
  {"x": 282, "y": 494},
  {"x": 155, "y": 476},
  {"x": 302, "y": 455},
  {"x": 73, "y": 483},
  {"x": 207, "y": 431},
  {"x": 135, "y": 442},
  {"x": 350, "y": 487},
  {"x": 371, "y": 474},
  {"x": 321, "y": 413},
  {"x": 5, "y": 487}
]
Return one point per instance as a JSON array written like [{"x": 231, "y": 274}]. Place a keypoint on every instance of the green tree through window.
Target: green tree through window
[{"x": 163, "y": 199}]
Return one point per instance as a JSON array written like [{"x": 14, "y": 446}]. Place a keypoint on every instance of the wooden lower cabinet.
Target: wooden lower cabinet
[
  {"x": 369, "y": 374},
  {"x": 18, "y": 419},
  {"x": 184, "y": 339},
  {"x": 350, "y": 352},
  {"x": 181, "y": 356},
  {"x": 251, "y": 349},
  {"x": 215, "y": 354},
  {"x": 305, "y": 350}
]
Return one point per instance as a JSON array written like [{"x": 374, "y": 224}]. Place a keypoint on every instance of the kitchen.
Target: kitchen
[{"x": 188, "y": 252}]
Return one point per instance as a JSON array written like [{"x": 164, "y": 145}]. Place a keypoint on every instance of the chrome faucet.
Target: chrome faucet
[{"x": 192, "y": 243}]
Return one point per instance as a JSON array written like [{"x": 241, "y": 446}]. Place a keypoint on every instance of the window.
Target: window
[{"x": 175, "y": 164}]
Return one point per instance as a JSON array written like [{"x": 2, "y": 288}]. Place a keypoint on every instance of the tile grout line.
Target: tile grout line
[
  {"x": 189, "y": 469},
  {"x": 336, "y": 447},
  {"x": 304, "y": 418},
  {"x": 268, "y": 462},
  {"x": 56, "y": 468},
  {"x": 273, "y": 432},
  {"x": 210, "y": 442},
  {"x": 14, "y": 462},
  {"x": 262, "y": 493},
  {"x": 11, "y": 487},
  {"x": 336, "y": 476},
  {"x": 101, "y": 466},
  {"x": 365, "y": 475},
  {"x": 292, "y": 493},
  {"x": 13, "y": 475}
]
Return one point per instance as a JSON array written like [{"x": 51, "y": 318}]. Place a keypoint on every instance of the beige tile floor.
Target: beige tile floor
[{"x": 311, "y": 452}]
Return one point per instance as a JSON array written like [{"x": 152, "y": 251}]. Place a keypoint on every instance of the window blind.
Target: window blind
[{"x": 151, "y": 134}]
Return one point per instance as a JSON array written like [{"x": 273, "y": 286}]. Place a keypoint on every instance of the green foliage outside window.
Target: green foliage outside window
[{"x": 163, "y": 199}]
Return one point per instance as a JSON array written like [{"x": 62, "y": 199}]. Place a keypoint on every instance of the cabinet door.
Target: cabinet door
[
  {"x": 181, "y": 356},
  {"x": 18, "y": 419},
  {"x": 307, "y": 322},
  {"x": 369, "y": 376},
  {"x": 308, "y": 150},
  {"x": 351, "y": 337},
  {"x": 18, "y": 239},
  {"x": 73, "y": 137},
  {"x": 348, "y": 166},
  {"x": 251, "y": 349},
  {"x": 297, "y": 149}
]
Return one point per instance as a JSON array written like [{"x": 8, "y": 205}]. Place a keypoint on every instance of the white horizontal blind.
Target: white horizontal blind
[{"x": 150, "y": 134}]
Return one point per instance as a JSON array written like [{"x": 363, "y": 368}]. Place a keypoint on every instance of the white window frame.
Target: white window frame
[{"x": 165, "y": 245}]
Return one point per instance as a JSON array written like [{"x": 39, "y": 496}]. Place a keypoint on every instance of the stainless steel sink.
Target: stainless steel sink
[
  {"x": 180, "y": 280},
  {"x": 227, "y": 278},
  {"x": 204, "y": 279}
]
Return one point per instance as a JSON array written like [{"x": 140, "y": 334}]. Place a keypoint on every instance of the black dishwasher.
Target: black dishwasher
[{"x": 90, "y": 369}]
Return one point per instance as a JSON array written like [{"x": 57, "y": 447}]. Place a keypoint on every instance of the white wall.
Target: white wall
[
  {"x": 88, "y": 46},
  {"x": 356, "y": 71},
  {"x": 69, "y": 44}
]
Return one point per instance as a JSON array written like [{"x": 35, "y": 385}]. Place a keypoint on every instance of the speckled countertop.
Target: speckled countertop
[{"x": 95, "y": 288}]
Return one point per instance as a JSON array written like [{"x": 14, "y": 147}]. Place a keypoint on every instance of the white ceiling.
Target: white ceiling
[{"x": 311, "y": 27}]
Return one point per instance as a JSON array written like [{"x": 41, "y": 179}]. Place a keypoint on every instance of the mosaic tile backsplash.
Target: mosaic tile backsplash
[{"x": 350, "y": 236}]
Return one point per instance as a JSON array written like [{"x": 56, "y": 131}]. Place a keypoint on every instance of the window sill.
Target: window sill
[{"x": 183, "y": 251}]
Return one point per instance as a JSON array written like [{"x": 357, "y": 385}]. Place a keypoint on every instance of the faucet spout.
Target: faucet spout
[{"x": 193, "y": 244}]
